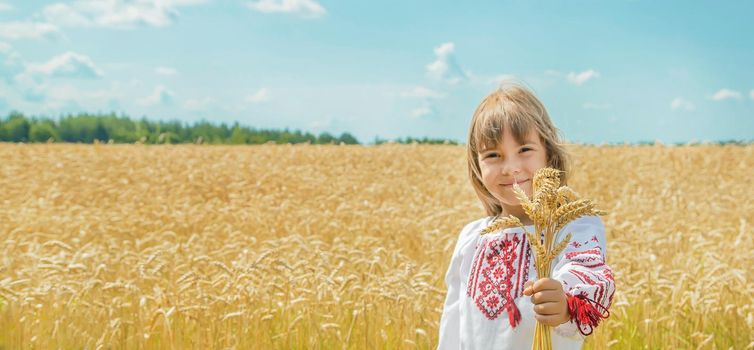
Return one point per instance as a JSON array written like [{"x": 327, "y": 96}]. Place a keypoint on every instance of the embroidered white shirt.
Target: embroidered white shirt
[{"x": 485, "y": 281}]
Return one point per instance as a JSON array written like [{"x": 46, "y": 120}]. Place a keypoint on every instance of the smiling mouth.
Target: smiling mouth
[{"x": 510, "y": 185}]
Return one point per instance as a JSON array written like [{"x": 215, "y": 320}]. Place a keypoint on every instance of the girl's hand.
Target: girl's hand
[{"x": 549, "y": 299}]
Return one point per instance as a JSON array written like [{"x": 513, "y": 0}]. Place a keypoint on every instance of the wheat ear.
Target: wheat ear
[
  {"x": 565, "y": 194},
  {"x": 502, "y": 222},
  {"x": 529, "y": 208}
]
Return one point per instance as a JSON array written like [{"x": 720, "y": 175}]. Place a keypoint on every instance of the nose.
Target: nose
[{"x": 511, "y": 168}]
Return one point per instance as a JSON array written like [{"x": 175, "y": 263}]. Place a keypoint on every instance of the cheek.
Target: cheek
[
  {"x": 487, "y": 183},
  {"x": 491, "y": 181},
  {"x": 488, "y": 180},
  {"x": 542, "y": 161},
  {"x": 486, "y": 174},
  {"x": 534, "y": 165}
]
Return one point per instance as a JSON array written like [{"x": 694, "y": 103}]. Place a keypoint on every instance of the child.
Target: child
[{"x": 494, "y": 296}]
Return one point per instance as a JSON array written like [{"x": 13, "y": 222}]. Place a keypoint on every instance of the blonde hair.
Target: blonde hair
[{"x": 514, "y": 106}]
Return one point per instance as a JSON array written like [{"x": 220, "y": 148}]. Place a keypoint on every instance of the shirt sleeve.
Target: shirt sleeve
[
  {"x": 450, "y": 321},
  {"x": 587, "y": 279}
]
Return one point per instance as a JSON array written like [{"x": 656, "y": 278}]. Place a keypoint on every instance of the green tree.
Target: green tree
[
  {"x": 41, "y": 132},
  {"x": 348, "y": 139},
  {"x": 238, "y": 137},
  {"x": 326, "y": 137},
  {"x": 17, "y": 128},
  {"x": 100, "y": 133},
  {"x": 86, "y": 128}
]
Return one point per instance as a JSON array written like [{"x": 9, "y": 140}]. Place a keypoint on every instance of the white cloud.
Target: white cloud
[
  {"x": 261, "y": 95},
  {"x": 751, "y": 94},
  {"x": 5, "y": 48},
  {"x": 437, "y": 69},
  {"x": 14, "y": 74},
  {"x": 680, "y": 103},
  {"x": 69, "y": 64},
  {"x": 65, "y": 93},
  {"x": 420, "y": 112},
  {"x": 34, "y": 94},
  {"x": 501, "y": 79},
  {"x": 488, "y": 82},
  {"x": 66, "y": 15},
  {"x": 583, "y": 77},
  {"x": 198, "y": 104},
  {"x": 61, "y": 96},
  {"x": 304, "y": 8},
  {"x": 318, "y": 125},
  {"x": 116, "y": 13},
  {"x": 422, "y": 92},
  {"x": 29, "y": 87},
  {"x": 11, "y": 62},
  {"x": 724, "y": 94},
  {"x": 5, "y": 7},
  {"x": 590, "y": 105},
  {"x": 166, "y": 71},
  {"x": 445, "y": 49},
  {"x": 161, "y": 95},
  {"x": 445, "y": 67},
  {"x": 28, "y": 30}
]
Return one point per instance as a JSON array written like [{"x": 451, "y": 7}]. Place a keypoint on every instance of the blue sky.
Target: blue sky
[{"x": 607, "y": 71}]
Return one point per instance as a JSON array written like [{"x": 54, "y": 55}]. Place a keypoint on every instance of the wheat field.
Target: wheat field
[{"x": 335, "y": 247}]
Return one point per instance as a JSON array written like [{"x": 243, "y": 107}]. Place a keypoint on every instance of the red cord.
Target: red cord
[{"x": 585, "y": 312}]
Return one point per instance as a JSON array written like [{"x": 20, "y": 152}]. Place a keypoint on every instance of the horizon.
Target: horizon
[{"x": 377, "y": 140}]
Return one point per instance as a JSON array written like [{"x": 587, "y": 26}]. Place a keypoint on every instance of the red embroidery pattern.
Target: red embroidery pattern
[
  {"x": 523, "y": 266},
  {"x": 608, "y": 274},
  {"x": 587, "y": 312},
  {"x": 600, "y": 283},
  {"x": 586, "y": 259},
  {"x": 588, "y": 307},
  {"x": 595, "y": 251},
  {"x": 491, "y": 280}
]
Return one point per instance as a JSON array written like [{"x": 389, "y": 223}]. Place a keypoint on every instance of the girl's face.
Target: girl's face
[{"x": 511, "y": 161}]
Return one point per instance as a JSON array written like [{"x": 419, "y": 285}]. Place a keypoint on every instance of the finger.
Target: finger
[
  {"x": 527, "y": 287},
  {"x": 550, "y": 308},
  {"x": 545, "y": 296},
  {"x": 550, "y": 320},
  {"x": 547, "y": 284}
]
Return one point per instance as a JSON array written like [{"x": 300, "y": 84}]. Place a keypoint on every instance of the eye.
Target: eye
[
  {"x": 525, "y": 149},
  {"x": 490, "y": 155}
]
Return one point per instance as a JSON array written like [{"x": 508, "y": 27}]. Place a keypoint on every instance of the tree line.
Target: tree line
[{"x": 91, "y": 128}]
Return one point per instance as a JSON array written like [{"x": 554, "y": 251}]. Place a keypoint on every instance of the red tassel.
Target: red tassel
[
  {"x": 514, "y": 316},
  {"x": 583, "y": 311}
]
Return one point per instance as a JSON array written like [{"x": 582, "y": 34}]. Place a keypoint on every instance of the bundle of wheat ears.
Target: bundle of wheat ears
[{"x": 551, "y": 208}]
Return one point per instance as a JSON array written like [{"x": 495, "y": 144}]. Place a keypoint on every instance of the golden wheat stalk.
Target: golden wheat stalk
[
  {"x": 502, "y": 222},
  {"x": 551, "y": 207}
]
